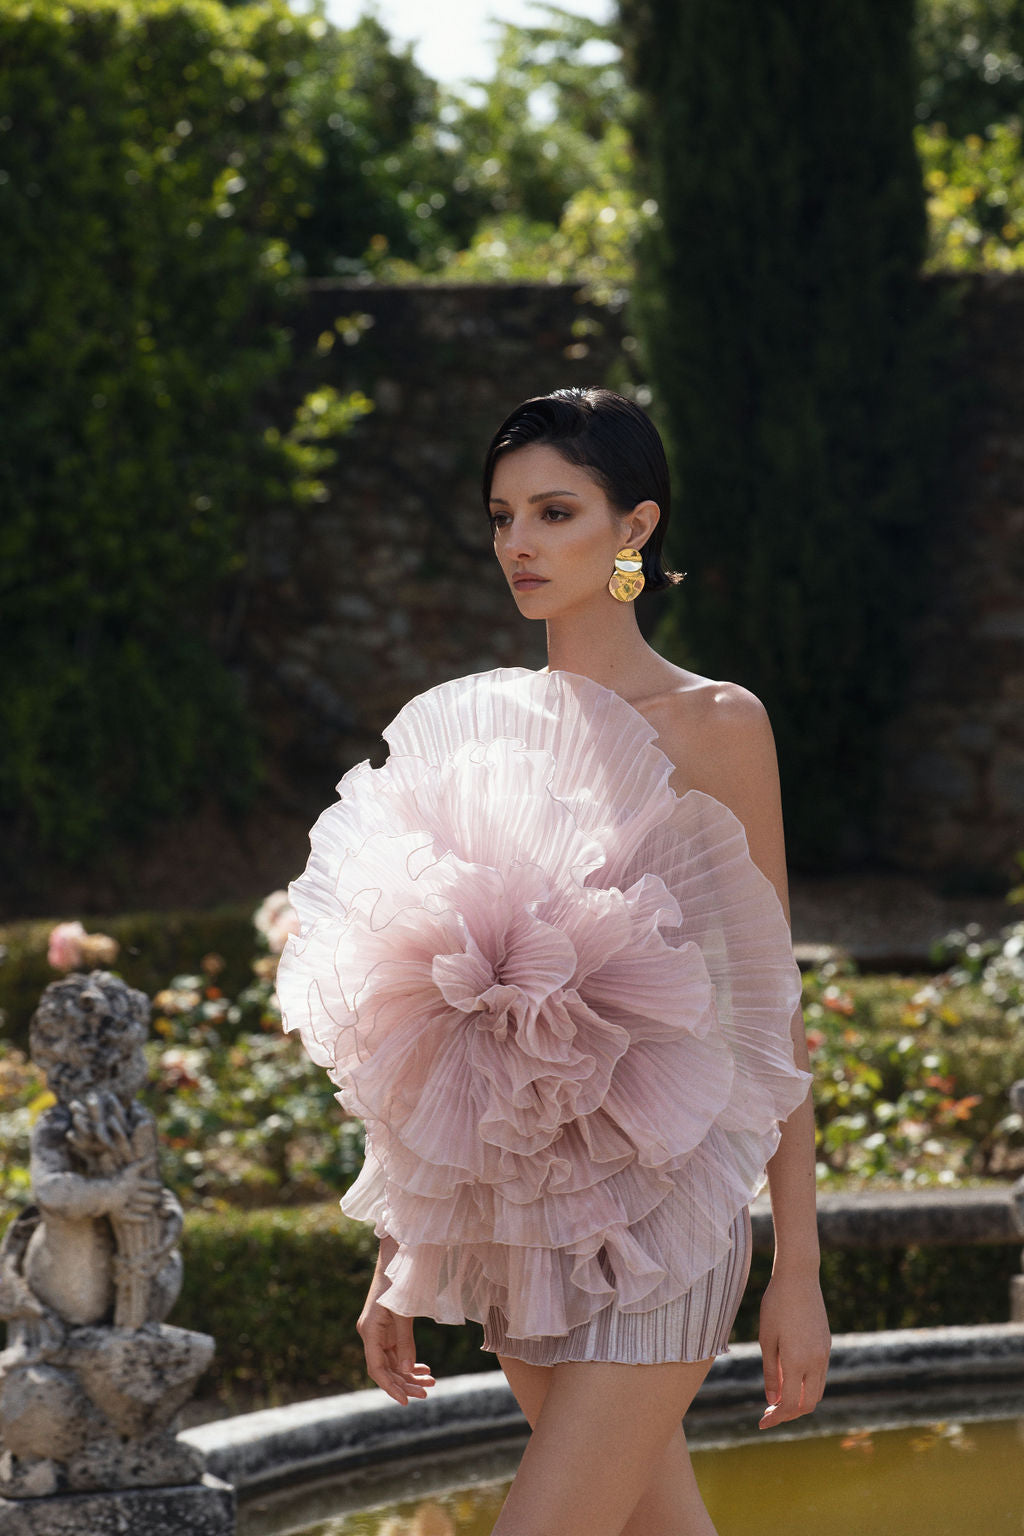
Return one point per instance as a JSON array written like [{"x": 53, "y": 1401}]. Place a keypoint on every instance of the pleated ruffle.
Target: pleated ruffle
[{"x": 558, "y": 994}]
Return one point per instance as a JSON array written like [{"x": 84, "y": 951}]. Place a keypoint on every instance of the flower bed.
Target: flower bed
[
  {"x": 911, "y": 1079},
  {"x": 911, "y": 1082}
]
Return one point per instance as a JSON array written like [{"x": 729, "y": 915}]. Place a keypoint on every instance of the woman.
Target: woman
[{"x": 545, "y": 952}]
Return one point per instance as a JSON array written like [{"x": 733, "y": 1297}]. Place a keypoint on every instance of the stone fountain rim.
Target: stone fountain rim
[{"x": 332, "y": 1435}]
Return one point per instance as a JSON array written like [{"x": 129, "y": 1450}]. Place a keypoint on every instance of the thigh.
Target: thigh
[
  {"x": 600, "y": 1435},
  {"x": 529, "y": 1385},
  {"x": 671, "y": 1504}
]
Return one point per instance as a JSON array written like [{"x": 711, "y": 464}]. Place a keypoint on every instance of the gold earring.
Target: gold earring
[{"x": 627, "y": 580}]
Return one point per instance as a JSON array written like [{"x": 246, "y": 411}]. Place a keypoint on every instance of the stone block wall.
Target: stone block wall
[{"x": 391, "y": 586}]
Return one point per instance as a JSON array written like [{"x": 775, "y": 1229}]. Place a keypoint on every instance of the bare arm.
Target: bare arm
[
  {"x": 738, "y": 766},
  {"x": 60, "y": 1189},
  {"x": 388, "y": 1338}
]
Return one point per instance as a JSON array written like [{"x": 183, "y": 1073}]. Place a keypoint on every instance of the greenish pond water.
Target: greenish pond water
[{"x": 943, "y": 1478}]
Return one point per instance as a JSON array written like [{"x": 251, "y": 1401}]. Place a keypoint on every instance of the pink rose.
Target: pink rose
[
  {"x": 276, "y": 919},
  {"x": 64, "y": 951}
]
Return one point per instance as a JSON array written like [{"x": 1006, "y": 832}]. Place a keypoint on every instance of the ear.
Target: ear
[{"x": 641, "y": 523}]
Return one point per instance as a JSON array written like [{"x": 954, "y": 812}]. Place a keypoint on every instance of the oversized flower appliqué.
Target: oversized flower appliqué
[
  {"x": 491, "y": 990},
  {"x": 558, "y": 995}
]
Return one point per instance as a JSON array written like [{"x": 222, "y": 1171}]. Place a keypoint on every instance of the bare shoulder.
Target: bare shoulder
[
  {"x": 712, "y": 731},
  {"x": 735, "y": 734},
  {"x": 719, "y": 739}
]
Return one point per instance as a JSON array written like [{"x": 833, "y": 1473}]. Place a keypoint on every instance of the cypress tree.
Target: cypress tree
[{"x": 794, "y": 352}]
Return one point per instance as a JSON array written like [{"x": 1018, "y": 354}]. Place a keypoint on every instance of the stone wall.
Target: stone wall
[{"x": 391, "y": 586}]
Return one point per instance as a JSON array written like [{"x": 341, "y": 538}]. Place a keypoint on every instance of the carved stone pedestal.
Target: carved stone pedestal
[{"x": 200, "y": 1509}]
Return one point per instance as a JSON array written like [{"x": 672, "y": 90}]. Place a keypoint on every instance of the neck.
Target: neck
[{"x": 604, "y": 644}]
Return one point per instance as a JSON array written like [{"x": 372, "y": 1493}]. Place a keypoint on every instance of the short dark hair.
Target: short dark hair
[{"x": 610, "y": 436}]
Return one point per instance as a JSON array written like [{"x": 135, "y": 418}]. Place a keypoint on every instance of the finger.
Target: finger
[
  {"x": 383, "y": 1367},
  {"x": 405, "y": 1343},
  {"x": 814, "y": 1389},
  {"x": 417, "y": 1380},
  {"x": 398, "y": 1386},
  {"x": 379, "y": 1371},
  {"x": 772, "y": 1373},
  {"x": 793, "y": 1402}
]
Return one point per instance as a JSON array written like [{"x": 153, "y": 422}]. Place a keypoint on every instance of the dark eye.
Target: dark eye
[
  {"x": 558, "y": 513},
  {"x": 498, "y": 520}
]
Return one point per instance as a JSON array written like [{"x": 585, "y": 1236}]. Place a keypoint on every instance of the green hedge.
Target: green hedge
[
  {"x": 798, "y": 364},
  {"x": 154, "y": 947},
  {"x": 866, "y": 1289},
  {"x": 151, "y": 173},
  {"x": 281, "y": 1292}
]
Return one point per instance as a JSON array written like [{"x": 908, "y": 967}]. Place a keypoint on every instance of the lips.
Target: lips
[{"x": 526, "y": 580}]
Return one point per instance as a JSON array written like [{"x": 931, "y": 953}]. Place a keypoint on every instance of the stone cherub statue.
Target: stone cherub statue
[{"x": 92, "y": 1376}]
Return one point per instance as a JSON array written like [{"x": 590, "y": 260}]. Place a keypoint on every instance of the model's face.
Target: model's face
[{"x": 555, "y": 534}]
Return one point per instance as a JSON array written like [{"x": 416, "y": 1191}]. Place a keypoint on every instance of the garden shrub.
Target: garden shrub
[
  {"x": 912, "y": 1075},
  {"x": 970, "y": 60},
  {"x": 795, "y": 357},
  {"x": 281, "y": 1291},
  {"x": 975, "y": 189},
  {"x": 871, "y": 1288},
  {"x": 154, "y": 946},
  {"x": 152, "y": 171}
]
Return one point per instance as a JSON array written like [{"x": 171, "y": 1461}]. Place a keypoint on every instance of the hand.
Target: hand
[
  {"x": 391, "y": 1352},
  {"x": 99, "y": 1130},
  {"x": 136, "y": 1197},
  {"x": 795, "y": 1343}
]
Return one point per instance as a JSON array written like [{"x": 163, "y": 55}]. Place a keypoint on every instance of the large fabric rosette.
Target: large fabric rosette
[{"x": 558, "y": 994}]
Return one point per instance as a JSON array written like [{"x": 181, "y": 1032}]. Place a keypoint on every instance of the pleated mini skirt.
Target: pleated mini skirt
[{"x": 693, "y": 1327}]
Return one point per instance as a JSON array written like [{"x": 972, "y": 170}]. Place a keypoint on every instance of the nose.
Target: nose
[{"x": 519, "y": 544}]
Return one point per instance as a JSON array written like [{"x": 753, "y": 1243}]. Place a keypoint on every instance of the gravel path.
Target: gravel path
[{"x": 884, "y": 921}]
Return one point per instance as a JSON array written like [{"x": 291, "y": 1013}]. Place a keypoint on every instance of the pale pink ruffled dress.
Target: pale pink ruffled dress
[{"x": 559, "y": 995}]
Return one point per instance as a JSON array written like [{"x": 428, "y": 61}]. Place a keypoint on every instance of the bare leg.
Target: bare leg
[
  {"x": 607, "y": 1456},
  {"x": 671, "y": 1504}
]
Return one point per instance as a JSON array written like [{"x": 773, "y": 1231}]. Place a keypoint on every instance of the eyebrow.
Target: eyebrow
[{"x": 542, "y": 496}]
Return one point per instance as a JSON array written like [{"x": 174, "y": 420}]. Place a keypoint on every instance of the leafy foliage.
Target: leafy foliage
[
  {"x": 152, "y": 171},
  {"x": 281, "y": 1290},
  {"x": 382, "y": 184},
  {"x": 911, "y": 1079},
  {"x": 970, "y": 57},
  {"x": 527, "y": 177},
  {"x": 152, "y": 945},
  {"x": 796, "y": 358},
  {"x": 975, "y": 189}
]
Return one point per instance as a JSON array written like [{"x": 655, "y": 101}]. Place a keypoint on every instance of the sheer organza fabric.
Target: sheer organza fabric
[{"x": 558, "y": 994}]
